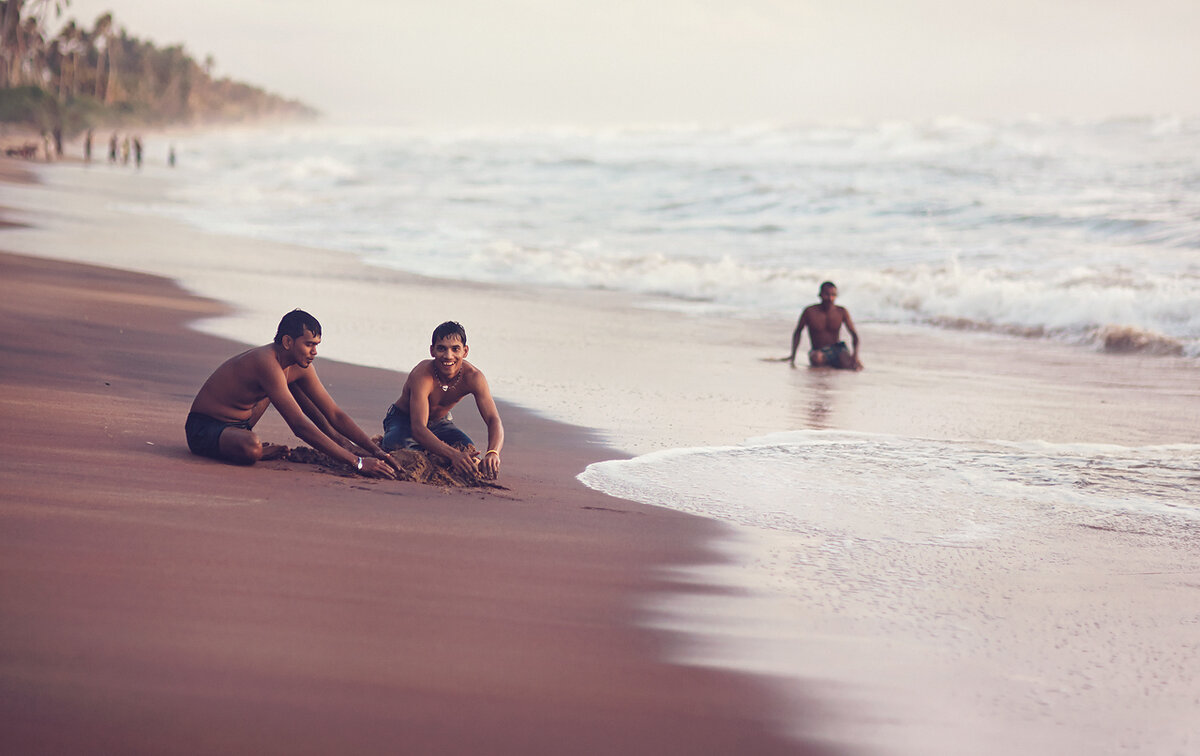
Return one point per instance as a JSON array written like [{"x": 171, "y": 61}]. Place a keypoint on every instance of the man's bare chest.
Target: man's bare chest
[{"x": 825, "y": 321}]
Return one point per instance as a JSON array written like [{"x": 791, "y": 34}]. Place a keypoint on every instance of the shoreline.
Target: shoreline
[
  {"x": 225, "y": 609},
  {"x": 980, "y": 387},
  {"x": 697, "y": 361}
]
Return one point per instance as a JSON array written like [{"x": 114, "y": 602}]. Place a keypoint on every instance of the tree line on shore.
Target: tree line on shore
[{"x": 103, "y": 76}]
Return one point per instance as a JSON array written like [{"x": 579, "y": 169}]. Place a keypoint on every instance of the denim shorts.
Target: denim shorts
[{"x": 397, "y": 431}]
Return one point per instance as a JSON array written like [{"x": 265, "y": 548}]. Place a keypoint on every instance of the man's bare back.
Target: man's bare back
[{"x": 233, "y": 392}]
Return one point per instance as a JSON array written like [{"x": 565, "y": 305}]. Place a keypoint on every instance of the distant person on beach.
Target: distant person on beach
[
  {"x": 137, "y": 151},
  {"x": 112, "y": 148},
  {"x": 420, "y": 418},
  {"x": 171, "y": 156},
  {"x": 824, "y": 322},
  {"x": 87, "y": 147},
  {"x": 221, "y": 421}
]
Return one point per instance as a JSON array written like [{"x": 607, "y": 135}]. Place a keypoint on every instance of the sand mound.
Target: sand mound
[{"x": 415, "y": 466}]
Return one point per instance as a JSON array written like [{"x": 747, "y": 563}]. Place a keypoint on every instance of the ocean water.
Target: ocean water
[
  {"x": 1086, "y": 232},
  {"x": 989, "y": 597},
  {"x": 826, "y": 499}
]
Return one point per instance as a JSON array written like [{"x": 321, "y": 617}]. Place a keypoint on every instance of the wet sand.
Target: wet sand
[{"x": 153, "y": 601}]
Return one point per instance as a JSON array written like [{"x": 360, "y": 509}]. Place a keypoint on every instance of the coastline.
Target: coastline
[
  {"x": 156, "y": 601},
  {"x": 379, "y": 316},
  {"x": 979, "y": 387}
]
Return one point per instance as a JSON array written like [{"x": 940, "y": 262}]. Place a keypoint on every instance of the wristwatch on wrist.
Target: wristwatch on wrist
[{"x": 360, "y": 464}]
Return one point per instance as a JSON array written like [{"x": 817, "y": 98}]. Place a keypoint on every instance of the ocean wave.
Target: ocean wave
[
  {"x": 1080, "y": 231},
  {"x": 936, "y": 490},
  {"x": 1111, "y": 309}
]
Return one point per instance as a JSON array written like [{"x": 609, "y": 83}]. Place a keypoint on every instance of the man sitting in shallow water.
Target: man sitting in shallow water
[
  {"x": 420, "y": 418},
  {"x": 824, "y": 322},
  {"x": 220, "y": 424}
]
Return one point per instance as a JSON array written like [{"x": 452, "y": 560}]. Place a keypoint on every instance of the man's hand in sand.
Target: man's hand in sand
[
  {"x": 378, "y": 468},
  {"x": 489, "y": 465},
  {"x": 464, "y": 461}
]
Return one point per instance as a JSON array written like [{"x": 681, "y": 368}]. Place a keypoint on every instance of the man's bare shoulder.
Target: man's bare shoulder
[
  {"x": 250, "y": 360},
  {"x": 257, "y": 354},
  {"x": 421, "y": 370},
  {"x": 474, "y": 376},
  {"x": 237, "y": 383},
  {"x": 420, "y": 374}
]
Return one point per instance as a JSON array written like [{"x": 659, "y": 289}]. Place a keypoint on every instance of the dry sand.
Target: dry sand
[{"x": 152, "y": 601}]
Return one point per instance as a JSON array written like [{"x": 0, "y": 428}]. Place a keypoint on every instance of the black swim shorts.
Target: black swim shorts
[
  {"x": 204, "y": 433},
  {"x": 833, "y": 354}
]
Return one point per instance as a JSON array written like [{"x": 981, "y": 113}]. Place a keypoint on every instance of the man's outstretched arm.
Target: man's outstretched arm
[
  {"x": 796, "y": 337},
  {"x": 318, "y": 418},
  {"x": 489, "y": 465},
  {"x": 272, "y": 379},
  {"x": 853, "y": 339},
  {"x": 341, "y": 426}
]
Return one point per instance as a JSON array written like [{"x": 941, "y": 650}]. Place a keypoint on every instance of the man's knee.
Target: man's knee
[
  {"x": 243, "y": 448},
  {"x": 253, "y": 451}
]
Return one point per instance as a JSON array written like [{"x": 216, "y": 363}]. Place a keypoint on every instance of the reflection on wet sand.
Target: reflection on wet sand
[{"x": 812, "y": 401}]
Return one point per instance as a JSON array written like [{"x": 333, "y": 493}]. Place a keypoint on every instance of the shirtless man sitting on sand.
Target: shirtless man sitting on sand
[
  {"x": 220, "y": 424},
  {"x": 824, "y": 322},
  {"x": 420, "y": 418}
]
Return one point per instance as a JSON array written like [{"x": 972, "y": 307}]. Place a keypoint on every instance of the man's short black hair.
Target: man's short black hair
[
  {"x": 295, "y": 323},
  {"x": 449, "y": 328},
  {"x": 827, "y": 285}
]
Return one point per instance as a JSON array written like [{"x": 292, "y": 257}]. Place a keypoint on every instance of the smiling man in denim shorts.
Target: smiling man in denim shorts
[{"x": 420, "y": 418}]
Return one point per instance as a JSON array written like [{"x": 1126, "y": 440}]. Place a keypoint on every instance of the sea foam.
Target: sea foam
[{"x": 870, "y": 487}]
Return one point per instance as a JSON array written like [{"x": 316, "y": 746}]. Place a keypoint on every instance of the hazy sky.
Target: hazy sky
[{"x": 724, "y": 61}]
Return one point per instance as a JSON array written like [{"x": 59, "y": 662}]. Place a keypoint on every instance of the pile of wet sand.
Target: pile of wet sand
[{"x": 414, "y": 466}]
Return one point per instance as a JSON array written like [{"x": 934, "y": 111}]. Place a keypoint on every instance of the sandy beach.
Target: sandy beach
[
  {"x": 156, "y": 602},
  {"x": 555, "y": 617}
]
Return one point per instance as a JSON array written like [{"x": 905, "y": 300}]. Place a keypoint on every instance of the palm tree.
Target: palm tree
[
  {"x": 33, "y": 65},
  {"x": 112, "y": 82},
  {"x": 13, "y": 49},
  {"x": 10, "y": 43},
  {"x": 67, "y": 45},
  {"x": 35, "y": 55},
  {"x": 102, "y": 34}
]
